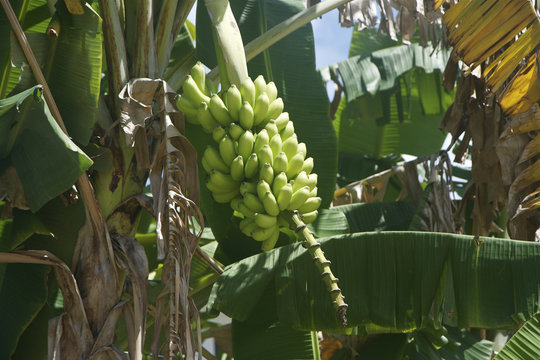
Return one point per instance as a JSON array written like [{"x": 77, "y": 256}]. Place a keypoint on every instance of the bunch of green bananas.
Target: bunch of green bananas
[{"x": 257, "y": 165}]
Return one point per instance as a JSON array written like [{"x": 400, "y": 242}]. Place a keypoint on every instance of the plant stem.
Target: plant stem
[
  {"x": 164, "y": 33},
  {"x": 229, "y": 38},
  {"x": 323, "y": 265},
  {"x": 222, "y": 64}
]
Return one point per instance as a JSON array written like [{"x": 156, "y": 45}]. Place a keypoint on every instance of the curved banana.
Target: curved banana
[
  {"x": 310, "y": 217},
  {"x": 262, "y": 234},
  {"x": 237, "y": 168},
  {"x": 271, "y": 241},
  {"x": 206, "y": 119},
  {"x": 225, "y": 197},
  {"x": 308, "y": 165},
  {"x": 271, "y": 91},
  {"x": 187, "y": 108},
  {"x": 223, "y": 182},
  {"x": 262, "y": 189},
  {"x": 275, "y": 109},
  {"x": 300, "y": 180},
  {"x": 214, "y": 160},
  {"x": 192, "y": 91},
  {"x": 287, "y": 131},
  {"x": 261, "y": 139},
  {"x": 281, "y": 163},
  {"x": 219, "y": 110},
  {"x": 245, "y": 144},
  {"x": 252, "y": 166},
  {"x": 280, "y": 180},
  {"x": 295, "y": 165},
  {"x": 226, "y": 149},
  {"x": 311, "y": 204},
  {"x": 260, "y": 110},
  {"x": 245, "y": 116},
  {"x": 282, "y": 120},
  {"x": 253, "y": 203},
  {"x": 265, "y": 155},
  {"x": 199, "y": 76},
  {"x": 248, "y": 187},
  {"x": 233, "y": 101},
  {"x": 247, "y": 89},
  {"x": 265, "y": 221},
  {"x": 298, "y": 198},
  {"x": 218, "y": 133},
  {"x": 267, "y": 173},
  {"x": 235, "y": 131},
  {"x": 270, "y": 204},
  {"x": 271, "y": 128},
  {"x": 260, "y": 86},
  {"x": 290, "y": 146},
  {"x": 284, "y": 197}
]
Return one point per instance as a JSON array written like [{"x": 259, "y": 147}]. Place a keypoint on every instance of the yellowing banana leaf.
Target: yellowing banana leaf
[
  {"x": 47, "y": 161},
  {"x": 524, "y": 91},
  {"x": 392, "y": 281},
  {"x": 478, "y": 30}
]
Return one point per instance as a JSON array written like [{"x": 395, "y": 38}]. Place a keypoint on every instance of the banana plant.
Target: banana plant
[{"x": 106, "y": 209}]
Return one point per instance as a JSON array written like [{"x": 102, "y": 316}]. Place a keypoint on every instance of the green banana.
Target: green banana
[
  {"x": 275, "y": 109},
  {"x": 260, "y": 110},
  {"x": 271, "y": 241},
  {"x": 265, "y": 221},
  {"x": 284, "y": 197},
  {"x": 235, "y": 204},
  {"x": 206, "y": 119},
  {"x": 265, "y": 155},
  {"x": 252, "y": 166},
  {"x": 187, "y": 108},
  {"x": 276, "y": 144},
  {"x": 313, "y": 192},
  {"x": 214, "y": 160},
  {"x": 248, "y": 187},
  {"x": 223, "y": 182},
  {"x": 298, "y": 198},
  {"x": 270, "y": 204},
  {"x": 290, "y": 146},
  {"x": 287, "y": 131},
  {"x": 206, "y": 166},
  {"x": 262, "y": 234},
  {"x": 310, "y": 205},
  {"x": 237, "y": 168},
  {"x": 244, "y": 210},
  {"x": 302, "y": 148},
  {"x": 245, "y": 144},
  {"x": 219, "y": 110},
  {"x": 218, "y": 133},
  {"x": 300, "y": 180},
  {"x": 308, "y": 165},
  {"x": 295, "y": 165},
  {"x": 199, "y": 76},
  {"x": 247, "y": 89},
  {"x": 249, "y": 226},
  {"x": 260, "y": 86},
  {"x": 193, "y": 93},
  {"x": 233, "y": 101},
  {"x": 261, "y": 139},
  {"x": 310, "y": 217},
  {"x": 282, "y": 121},
  {"x": 271, "y": 91},
  {"x": 253, "y": 203},
  {"x": 267, "y": 173},
  {"x": 271, "y": 128},
  {"x": 262, "y": 188},
  {"x": 225, "y": 197},
  {"x": 245, "y": 116},
  {"x": 211, "y": 88},
  {"x": 280, "y": 162},
  {"x": 226, "y": 149},
  {"x": 312, "y": 180},
  {"x": 279, "y": 182},
  {"x": 235, "y": 131}
]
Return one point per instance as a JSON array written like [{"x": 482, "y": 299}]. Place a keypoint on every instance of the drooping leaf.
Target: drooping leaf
[
  {"x": 392, "y": 282},
  {"x": 47, "y": 161}
]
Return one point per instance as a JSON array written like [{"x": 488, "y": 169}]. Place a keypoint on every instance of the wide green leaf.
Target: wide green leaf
[
  {"x": 378, "y": 216},
  {"x": 47, "y": 161},
  {"x": 393, "y": 281},
  {"x": 291, "y": 65},
  {"x": 23, "y": 292},
  {"x": 524, "y": 344}
]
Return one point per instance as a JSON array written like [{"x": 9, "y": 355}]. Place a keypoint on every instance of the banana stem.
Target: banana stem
[{"x": 323, "y": 265}]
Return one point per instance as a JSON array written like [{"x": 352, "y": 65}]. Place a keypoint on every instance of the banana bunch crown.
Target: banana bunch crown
[{"x": 256, "y": 164}]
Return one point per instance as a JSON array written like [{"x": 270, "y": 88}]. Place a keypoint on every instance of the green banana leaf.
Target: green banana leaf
[
  {"x": 524, "y": 344},
  {"x": 23, "y": 292},
  {"x": 47, "y": 161},
  {"x": 291, "y": 66},
  {"x": 261, "y": 336},
  {"x": 34, "y": 17},
  {"x": 393, "y": 281},
  {"x": 378, "y": 216}
]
